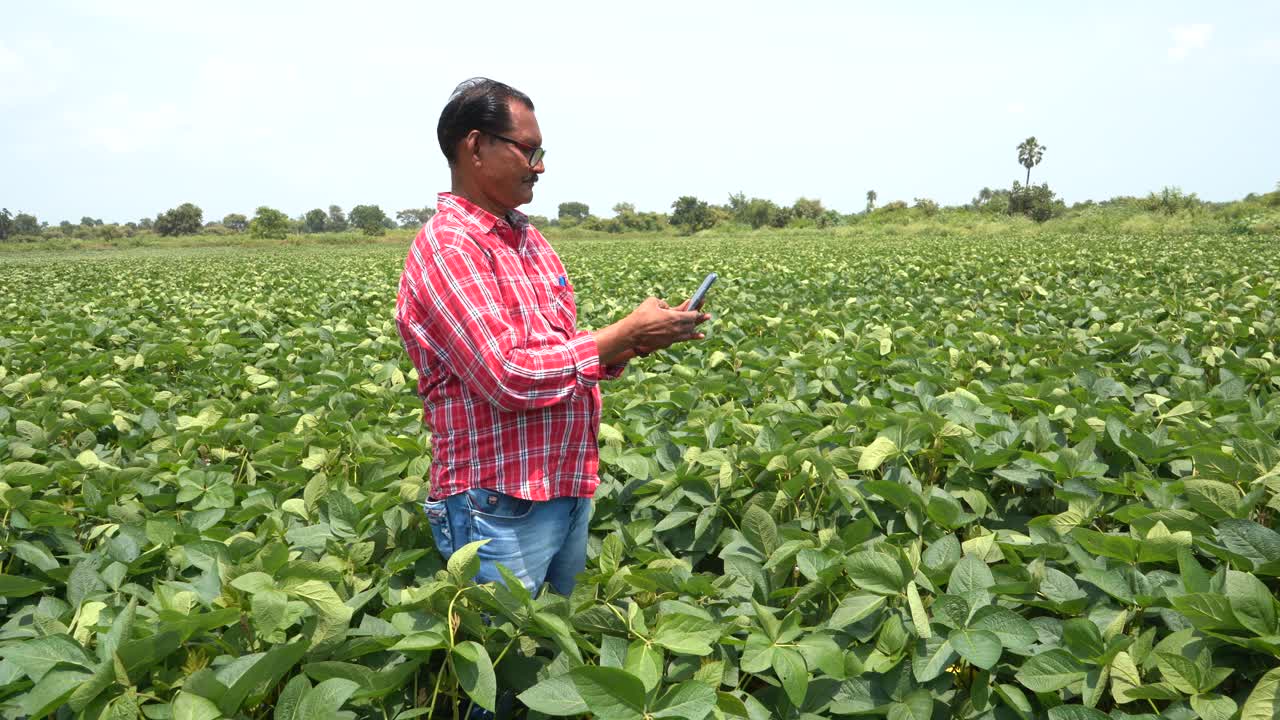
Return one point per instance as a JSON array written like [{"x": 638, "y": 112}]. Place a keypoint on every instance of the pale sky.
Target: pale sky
[{"x": 120, "y": 110}]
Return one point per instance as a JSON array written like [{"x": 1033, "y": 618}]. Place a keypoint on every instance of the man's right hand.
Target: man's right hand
[{"x": 655, "y": 325}]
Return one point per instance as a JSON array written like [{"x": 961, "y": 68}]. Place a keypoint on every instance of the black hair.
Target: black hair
[{"x": 476, "y": 104}]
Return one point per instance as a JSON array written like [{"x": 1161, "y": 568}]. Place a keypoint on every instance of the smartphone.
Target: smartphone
[{"x": 699, "y": 297}]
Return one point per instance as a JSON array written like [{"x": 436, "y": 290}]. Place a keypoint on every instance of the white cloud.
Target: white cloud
[
  {"x": 1017, "y": 107},
  {"x": 1187, "y": 38},
  {"x": 1268, "y": 50},
  {"x": 31, "y": 67},
  {"x": 116, "y": 125},
  {"x": 10, "y": 61},
  {"x": 160, "y": 15}
]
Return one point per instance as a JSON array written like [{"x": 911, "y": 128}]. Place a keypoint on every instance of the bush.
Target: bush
[
  {"x": 369, "y": 219},
  {"x": 1171, "y": 200},
  {"x": 269, "y": 223},
  {"x": 218, "y": 230},
  {"x": 927, "y": 207},
  {"x": 235, "y": 222},
  {"x": 691, "y": 214},
  {"x": 1034, "y": 201},
  {"x": 185, "y": 219}
]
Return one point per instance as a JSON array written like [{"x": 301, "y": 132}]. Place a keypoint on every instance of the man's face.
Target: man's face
[{"x": 505, "y": 175}]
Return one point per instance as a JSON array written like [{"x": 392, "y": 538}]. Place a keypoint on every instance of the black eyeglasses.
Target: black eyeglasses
[{"x": 532, "y": 154}]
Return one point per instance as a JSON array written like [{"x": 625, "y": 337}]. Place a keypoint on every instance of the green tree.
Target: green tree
[
  {"x": 185, "y": 219},
  {"x": 991, "y": 201},
  {"x": 269, "y": 223},
  {"x": 235, "y": 222},
  {"x": 761, "y": 213},
  {"x": 1030, "y": 153},
  {"x": 574, "y": 212},
  {"x": 982, "y": 198},
  {"x": 368, "y": 219},
  {"x": 806, "y": 209},
  {"x": 628, "y": 219},
  {"x": 927, "y": 207},
  {"x": 337, "y": 221},
  {"x": 691, "y": 214},
  {"x": 1170, "y": 200},
  {"x": 25, "y": 224},
  {"x": 6, "y": 223},
  {"x": 756, "y": 212},
  {"x": 413, "y": 218},
  {"x": 67, "y": 228},
  {"x": 1035, "y": 201},
  {"x": 871, "y": 200},
  {"x": 146, "y": 223},
  {"x": 316, "y": 221},
  {"x": 1272, "y": 199},
  {"x": 830, "y": 218}
]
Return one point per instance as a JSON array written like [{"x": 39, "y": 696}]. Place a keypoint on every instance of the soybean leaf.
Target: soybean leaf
[
  {"x": 557, "y": 696},
  {"x": 876, "y": 572},
  {"x": 687, "y": 700},
  {"x": 475, "y": 673},
  {"x": 610, "y": 693},
  {"x": 1050, "y": 671},
  {"x": 980, "y": 647}
]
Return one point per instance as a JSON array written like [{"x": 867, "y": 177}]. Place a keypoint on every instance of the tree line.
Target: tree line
[
  {"x": 188, "y": 219},
  {"x": 688, "y": 214}
]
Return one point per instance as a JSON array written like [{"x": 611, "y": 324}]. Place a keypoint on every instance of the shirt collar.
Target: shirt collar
[{"x": 477, "y": 217}]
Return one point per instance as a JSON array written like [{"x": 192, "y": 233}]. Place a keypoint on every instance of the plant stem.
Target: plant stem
[
  {"x": 505, "y": 649},
  {"x": 436, "y": 692}
]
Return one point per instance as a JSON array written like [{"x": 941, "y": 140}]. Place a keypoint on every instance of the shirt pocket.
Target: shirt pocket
[
  {"x": 559, "y": 308},
  {"x": 565, "y": 307}
]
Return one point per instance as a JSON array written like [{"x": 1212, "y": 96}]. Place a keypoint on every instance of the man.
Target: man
[{"x": 508, "y": 381}]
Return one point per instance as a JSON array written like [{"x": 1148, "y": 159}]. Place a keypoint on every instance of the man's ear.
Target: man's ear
[{"x": 471, "y": 147}]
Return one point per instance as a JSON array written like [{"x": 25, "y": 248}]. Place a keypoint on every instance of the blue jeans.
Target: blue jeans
[{"x": 538, "y": 541}]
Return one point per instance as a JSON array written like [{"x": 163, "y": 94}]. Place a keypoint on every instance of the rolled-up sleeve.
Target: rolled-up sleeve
[{"x": 465, "y": 322}]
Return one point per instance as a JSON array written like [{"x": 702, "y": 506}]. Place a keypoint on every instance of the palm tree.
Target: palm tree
[
  {"x": 871, "y": 200},
  {"x": 1029, "y": 154},
  {"x": 984, "y": 196}
]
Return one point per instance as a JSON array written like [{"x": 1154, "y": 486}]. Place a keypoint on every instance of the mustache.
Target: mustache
[{"x": 531, "y": 179}]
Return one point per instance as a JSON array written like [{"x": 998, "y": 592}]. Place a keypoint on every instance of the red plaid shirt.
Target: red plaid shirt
[{"x": 507, "y": 380}]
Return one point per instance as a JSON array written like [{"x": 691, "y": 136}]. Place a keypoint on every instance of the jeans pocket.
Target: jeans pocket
[
  {"x": 437, "y": 513},
  {"x": 493, "y": 505}
]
